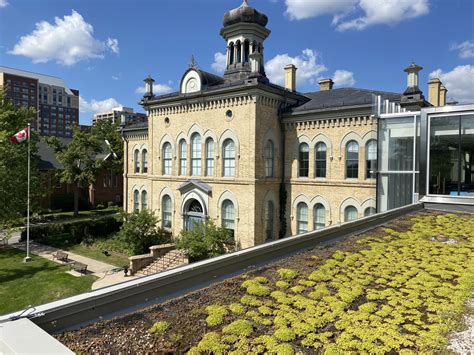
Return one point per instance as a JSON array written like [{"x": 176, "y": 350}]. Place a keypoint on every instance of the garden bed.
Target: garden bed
[{"x": 402, "y": 286}]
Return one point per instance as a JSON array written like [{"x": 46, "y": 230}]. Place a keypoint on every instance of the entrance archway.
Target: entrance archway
[{"x": 193, "y": 214}]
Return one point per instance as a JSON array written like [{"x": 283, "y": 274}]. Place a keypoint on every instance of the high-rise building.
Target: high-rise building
[
  {"x": 124, "y": 115},
  {"x": 56, "y": 104}
]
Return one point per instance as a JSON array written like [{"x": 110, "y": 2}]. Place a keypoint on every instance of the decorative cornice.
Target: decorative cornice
[{"x": 319, "y": 123}]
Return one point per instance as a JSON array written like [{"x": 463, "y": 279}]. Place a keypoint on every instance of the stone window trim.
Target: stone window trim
[{"x": 350, "y": 201}]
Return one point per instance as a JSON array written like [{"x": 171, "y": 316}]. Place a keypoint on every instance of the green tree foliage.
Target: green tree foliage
[
  {"x": 140, "y": 231},
  {"x": 205, "y": 241},
  {"x": 80, "y": 165},
  {"x": 14, "y": 162},
  {"x": 105, "y": 130}
]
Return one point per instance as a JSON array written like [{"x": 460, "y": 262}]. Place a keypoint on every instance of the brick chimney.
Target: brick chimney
[
  {"x": 325, "y": 84},
  {"x": 290, "y": 77},
  {"x": 434, "y": 87}
]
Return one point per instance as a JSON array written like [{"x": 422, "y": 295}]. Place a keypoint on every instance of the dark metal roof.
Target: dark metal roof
[
  {"x": 342, "y": 97},
  {"x": 47, "y": 157},
  {"x": 244, "y": 13},
  {"x": 135, "y": 126}
]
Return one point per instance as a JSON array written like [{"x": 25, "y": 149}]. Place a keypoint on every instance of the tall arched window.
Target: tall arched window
[
  {"x": 370, "y": 159},
  {"x": 145, "y": 161},
  {"x": 209, "y": 157},
  {"x": 231, "y": 53},
  {"x": 167, "y": 159},
  {"x": 196, "y": 154},
  {"x": 182, "y": 157},
  {"x": 301, "y": 218},
  {"x": 144, "y": 200},
  {"x": 303, "y": 160},
  {"x": 352, "y": 160},
  {"x": 239, "y": 52},
  {"x": 136, "y": 158},
  {"x": 369, "y": 211},
  {"x": 319, "y": 216},
  {"x": 320, "y": 153},
  {"x": 246, "y": 51},
  {"x": 166, "y": 211},
  {"x": 228, "y": 153},
  {"x": 136, "y": 202},
  {"x": 269, "y": 218},
  {"x": 269, "y": 159},
  {"x": 350, "y": 214},
  {"x": 228, "y": 216}
]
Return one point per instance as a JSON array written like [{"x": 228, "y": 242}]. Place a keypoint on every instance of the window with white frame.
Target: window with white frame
[
  {"x": 319, "y": 216},
  {"x": 320, "y": 154},
  {"x": 370, "y": 159},
  {"x": 350, "y": 214},
  {"x": 136, "y": 161},
  {"x": 167, "y": 159},
  {"x": 301, "y": 218},
  {"x": 166, "y": 211},
  {"x": 209, "y": 157},
  {"x": 182, "y": 157},
  {"x": 303, "y": 160},
  {"x": 369, "y": 211},
  {"x": 136, "y": 202},
  {"x": 269, "y": 159},
  {"x": 144, "y": 161},
  {"x": 228, "y": 216},
  {"x": 228, "y": 153},
  {"x": 144, "y": 200},
  {"x": 352, "y": 160},
  {"x": 196, "y": 154}
]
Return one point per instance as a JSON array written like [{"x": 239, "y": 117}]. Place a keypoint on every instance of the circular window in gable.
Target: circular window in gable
[
  {"x": 229, "y": 115},
  {"x": 167, "y": 121}
]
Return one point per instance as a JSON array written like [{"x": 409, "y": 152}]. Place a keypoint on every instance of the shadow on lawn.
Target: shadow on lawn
[{"x": 27, "y": 272}]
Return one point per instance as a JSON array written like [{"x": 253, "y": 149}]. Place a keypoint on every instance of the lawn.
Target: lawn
[
  {"x": 35, "y": 283},
  {"x": 398, "y": 288}
]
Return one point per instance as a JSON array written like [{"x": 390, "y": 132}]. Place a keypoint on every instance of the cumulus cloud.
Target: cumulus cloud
[
  {"x": 3, "y": 3},
  {"x": 307, "y": 64},
  {"x": 343, "y": 78},
  {"x": 459, "y": 82},
  {"x": 364, "y": 13},
  {"x": 466, "y": 49},
  {"x": 157, "y": 89},
  {"x": 67, "y": 41},
  {"x": 95, "y": 106},
  {"x": 219, "y": 63}
]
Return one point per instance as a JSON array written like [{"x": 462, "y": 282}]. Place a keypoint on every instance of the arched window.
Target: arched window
[
  {"x": 246, "y": 51},
  {"x": 136, "y": 202},
  {"x": 144, "y": 200},
  {"x": 239, "y": 52},
  {"x": 303, "y": 160},
  {"x": 196, "y": 153},
  {"x": 182, "y": 157},
  {"x": 228, "y": 216},
  {"x": 370, "y": 159},
  {"x": 301, "y": 218},
  {"x": 231, "y": 53},
  {"x": 269, "y": 159},
  {"x": 269, "y": 217},
  {"x": 144, "y": 161},
  {"x": 136, "y": 158},
  {"x": 320, "y": 153},
  {"x": 350, "y": 214},
  {"x": 254, "y": 46},
  {"x": 228, "y": 153},
  {"x": 369, "y": 211},
  {"x": 319, "y": 216},
  {"x": 259, "y": 48},
  {"x": 166, "y": 211},
  {"x": 209, "y": 157},
  {"x": 167, "y": 159},
  {"x": 352, "y": 160}
]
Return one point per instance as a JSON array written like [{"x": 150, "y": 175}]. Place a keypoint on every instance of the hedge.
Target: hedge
[{"x": 90, "y": 228}]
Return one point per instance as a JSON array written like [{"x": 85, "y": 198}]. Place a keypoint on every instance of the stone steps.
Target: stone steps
[{"x": 170, "y": 260}]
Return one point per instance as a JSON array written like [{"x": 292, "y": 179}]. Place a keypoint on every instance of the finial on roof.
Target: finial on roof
[
  {"x": 193, "y": 63},
  {"x": 245, "y": 3}
]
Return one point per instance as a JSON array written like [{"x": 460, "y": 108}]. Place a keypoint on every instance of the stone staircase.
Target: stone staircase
[{"x": 170, "y": 260}]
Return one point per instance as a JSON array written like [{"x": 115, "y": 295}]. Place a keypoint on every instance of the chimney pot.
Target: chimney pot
[
  {"x": 325, "y": 84},
  {"x": 290, "y": 77}
]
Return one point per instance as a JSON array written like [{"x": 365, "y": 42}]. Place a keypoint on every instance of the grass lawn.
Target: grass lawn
[
  {"x": 89, "y": 213},
  {"x": 35, "y": 283}
]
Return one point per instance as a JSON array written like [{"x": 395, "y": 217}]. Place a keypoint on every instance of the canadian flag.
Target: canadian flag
[{"x": 21, "y": 136}]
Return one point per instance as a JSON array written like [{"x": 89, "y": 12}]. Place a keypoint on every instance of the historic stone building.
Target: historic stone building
[{"x": 262, "y": 160}]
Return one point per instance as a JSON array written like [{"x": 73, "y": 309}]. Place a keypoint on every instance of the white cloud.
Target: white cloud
[
  {"x": 308, "y": 68},
  {"x": 3, "y": 3},
  {"x": 67, "y": 41},
  {"x": 157, "y": 89},
  {"x": 459, "y": 82},
  {"x": 343, "y": 78},
  {"x": 219, "y": 64},
  {"x": 95, "y": 106},
  {"x": 466, "y": 49},
  {"x": 115, "y": 77},
  {"x": 374, "y": 12}
]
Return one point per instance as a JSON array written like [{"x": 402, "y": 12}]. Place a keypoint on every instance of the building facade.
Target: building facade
[
  {"x": 124, "y": 115},
  {"x": 259, "y": 159},
  {"x": 57, "y": 105}
]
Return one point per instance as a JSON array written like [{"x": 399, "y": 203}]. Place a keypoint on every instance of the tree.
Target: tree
[
  {"x": 80, "y": 165},
  {"x": 14, "y": 162},
  {"x": 140, "y": 231},
  {"x": 205, "y": 241},
  {"x": 105, "y": 130}
]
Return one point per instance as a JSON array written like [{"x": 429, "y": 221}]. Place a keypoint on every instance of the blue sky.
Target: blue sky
[{"x": 105, "y": 48}]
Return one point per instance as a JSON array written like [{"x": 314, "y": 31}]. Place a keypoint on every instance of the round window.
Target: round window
[
  {"x": 229, "y": 114},
  {"x": 167, "y": 121}
]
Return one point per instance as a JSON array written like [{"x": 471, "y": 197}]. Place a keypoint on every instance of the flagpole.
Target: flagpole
[{"x": 28, "y": 258}]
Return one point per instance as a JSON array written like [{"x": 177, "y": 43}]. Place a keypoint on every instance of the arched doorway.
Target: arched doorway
[{"x": 193, "y": 215}]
